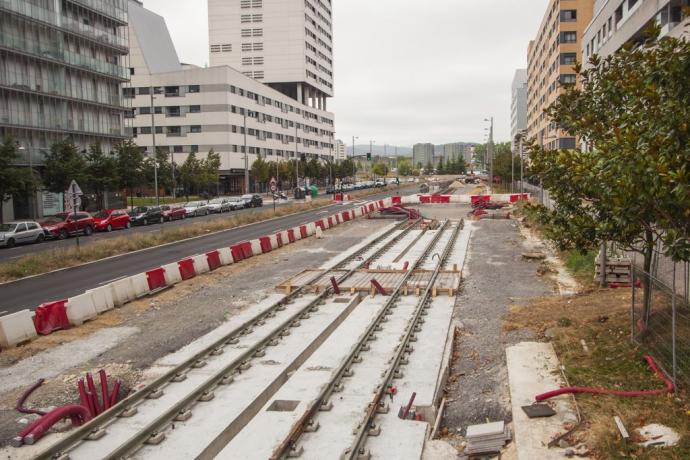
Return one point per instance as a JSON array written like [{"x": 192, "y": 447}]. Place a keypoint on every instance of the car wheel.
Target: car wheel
[
  {"x": 40, "y": 238},
  {"x": 10, "y": 243},
  {"x": 63, "y": 234},
  {"x": 88, "y": 231},
  {"x": 109, "y": 228},
  {"x": 128, "y": 225}
]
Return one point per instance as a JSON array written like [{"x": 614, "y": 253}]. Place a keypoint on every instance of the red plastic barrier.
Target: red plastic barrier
[
  {"x": 381, "y": 204},
  {"x": 50, "y": 317},
  {"x": 440, "y": 198},
  {"x": 303, "y": 231},
  {"x": 397, "y": 200},
  {"x": 425, "y": 198},
  {"x": 265, "y": 244},
  {"x": 337, "y": 218},
  {"x": 247, "y": 250},
  {"x": 237, "y": 252},
  {"x": 319, "y": 223},
  {"x": 346, "y": 216},
  {"x": 279, "y": 239},
  {"x": 330, "y": 221},
  {"x": 338, "y": 197},
  {"x": 371, "y": 207},
  {"x": 291, "y": 235},
  {"x": 213, "y": 259},
  {"x": 187, "y": 270},
  {"x": 475, "y": 198},
  {"x": 156, "y": 278}
]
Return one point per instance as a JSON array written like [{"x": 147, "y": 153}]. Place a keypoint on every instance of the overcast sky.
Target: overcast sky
[{"x": 406, "y": 71}]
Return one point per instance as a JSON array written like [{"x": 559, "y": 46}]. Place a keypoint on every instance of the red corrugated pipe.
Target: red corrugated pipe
[
  {"x": 602, "y": 391},
  {"x": 32, "y": 433},
  {"x": 20, "y": 404}
]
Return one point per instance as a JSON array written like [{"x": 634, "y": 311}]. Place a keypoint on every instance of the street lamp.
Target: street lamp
[
  {"x": 354, "y": 173},
  {"x": 371, "y": 154},
  {"x": 153, "y": 134},
  {"x": 32, "y": 205},
  {"x": 246, "y": 154},
  {"x": 490, "y": 145}
]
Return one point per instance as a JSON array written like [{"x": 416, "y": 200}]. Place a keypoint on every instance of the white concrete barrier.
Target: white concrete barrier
[
  {"x": 102, "y": 298},
  {"x": 225, "y": 256},
  {"x": 16, "y": 328},
  {"x": 172, "y": 273},
  {"x": 140, "y": 284},
  {"x": 256, "y": 247},
  {"x": 284, "y": 237},
  {"x": 201, "y": 264},
  {"x": 80, "y": 308},
  {"x": 274, "y": 241},
  {"x": 297, "y": 233},
  {"x": 123, "y": 291},
  {"x": 311, "y": 228}
]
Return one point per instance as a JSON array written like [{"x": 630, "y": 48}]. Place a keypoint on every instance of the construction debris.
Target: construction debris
[
  {"x": 487, "y": 438},
  {"x": 534, "y": 255}
]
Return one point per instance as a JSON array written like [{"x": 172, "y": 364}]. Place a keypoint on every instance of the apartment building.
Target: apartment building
[
  {"x": 457, "y": 151},
  {"x": 617, "y": 22},
  {"x": 198, "y": 109},
  {"x": 286, "y": 44},
  {"x": 550, "y": 59},
  {"x": 61, "y": 70},
  {"x": 340, "y": 152},
  {"x": 518, "y": 105},
  {"x": 422, "y": 154}
]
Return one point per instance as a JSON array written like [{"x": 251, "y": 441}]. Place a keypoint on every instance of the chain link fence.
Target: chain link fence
[{"x": 660, "y": 321}]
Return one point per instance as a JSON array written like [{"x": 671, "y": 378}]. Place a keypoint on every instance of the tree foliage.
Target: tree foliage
[
  {"x": 404, "y": 167},
  {"x": 63, "y": 164},
  {"x": 129, "y": 166},
  {"x": 101, "y": 173},
  {"x": 13, "y": 179}
]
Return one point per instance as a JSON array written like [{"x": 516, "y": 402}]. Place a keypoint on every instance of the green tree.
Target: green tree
[
  {"x": 631, "y": 185},
  {"x": 63, "y": 164},
  {"x": 130, "y": 162},
  {"x": 101, "y": 173},
  {"x": 503, "y": 161},
  {"x": 404, "y": 167},
  {"x": 380, "y": 169},
  {"x": 190, "y": 175},
  {"x": 260, "y": 170},
  {"x": 480, "y": 156},
  {"x": 162, "y": 160},
  {"x": 208, "y": 171},
  {"x": 441, "y": 167},
  {"x": 429, "y": 168},
  {"x": 13, "y": 179}
]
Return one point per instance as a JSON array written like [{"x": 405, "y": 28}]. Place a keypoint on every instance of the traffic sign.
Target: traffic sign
[{"x": 273, "y": 185}]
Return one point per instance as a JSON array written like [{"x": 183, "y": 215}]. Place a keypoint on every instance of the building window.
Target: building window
[
  {"x": 193, "y": 89},
  {"x": 144, "y": 90},
  {"x": 172, "y": 91},
  {"x": 195, "y": 129},
  {"x": 566, "y": 143},
  {"x": 568, "y": 37},
  {"x": 128, "y": 93},
  {"x": 568, "y": 79},
  {"x": 568, "y": 58},
  {"x": 246, "y": 46},
  {"x": 568, "y": 15},
  {"x": 259, "y": 74},
  {"x": 257, "y": 32},
  {"x": 258, "y": 60},
  {"x": 144, "y": 110},
  {"x": 226, "y": 47},
  {"x": 145, "y": 130},
  {"x": 246, "y": 32},
  {"x": 215, "y": 48},
  {"x": 178, "y": 149},
  {"x": 194, "y": 109},
  {"x": 246, "y": 18},
  {"x": 257, "y": 18},
  {"x": 195, "y": 148},
  {"x": 258, "y": 46},
  {"x": 131, "y": 70},
  {"x": 247, "y": 61}
]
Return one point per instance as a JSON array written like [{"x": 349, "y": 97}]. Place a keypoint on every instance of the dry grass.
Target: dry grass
[
  {"x": 54, "y": 259},
  {"x": 601, "y": 318}
]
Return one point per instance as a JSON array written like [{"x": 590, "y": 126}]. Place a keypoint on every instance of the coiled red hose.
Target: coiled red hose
[{"x": 669, "y": 387}]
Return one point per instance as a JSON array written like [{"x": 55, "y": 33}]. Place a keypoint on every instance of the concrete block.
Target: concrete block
[
  {"x": 201, "y": 264},
  {"x": 172, "y": 273},
  {"x": 102, "y": 298},
  {"x": 140, "y": 284},
  {"x": 16, "y": 328},
  {"x": 256, "y": 246},
  {"x": 225, "y": 256},
  {"x": 122, "y": 291},
  {"x": 80, "y": 308}
]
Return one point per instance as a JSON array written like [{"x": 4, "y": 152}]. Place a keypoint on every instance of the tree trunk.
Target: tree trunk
[{"x": 646, "y": 276}]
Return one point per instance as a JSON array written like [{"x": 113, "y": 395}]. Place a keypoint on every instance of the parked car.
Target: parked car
[
  {"x": 145, "y": 215},
  {"x": 64, "y": 224},
  {"x": 236, "y": 202},
  {"x": 379, "y": 183},
  {"x": 219, "y": 205},
  {"x": 20, "y": 232},
  {"x": 252, "y": 200},
  {"x": 111, "y": 219},
  {"x": 196, "y": 208},
  {"x": 172, "y": 213}
]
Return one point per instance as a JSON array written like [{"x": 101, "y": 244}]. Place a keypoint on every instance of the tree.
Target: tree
[
  {"x": 441, "y": 168},
  {"x": 503, "y": 162},
  {"x": 130, "y": 163},
  {"x": 190, "y": 174},
  {"x": 260, "y": 170},
  {"x": 630, "y": 185},
  {"x": 13, "y": 179},
  {"x": 429, "y": 168},
  {"x": 480, "y": 156},
  {"x": 164, "y": 173},
  {"x": 63, "y": 164},
  {"x": 404, "y": 167},
  {"x": 208, "y": 170},
  {"x": 380, "y": 169},
  {"x": 101, "y": 173}
]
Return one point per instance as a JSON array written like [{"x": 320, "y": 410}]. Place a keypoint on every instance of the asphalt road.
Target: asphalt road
[{"x": 31, "y": 292}]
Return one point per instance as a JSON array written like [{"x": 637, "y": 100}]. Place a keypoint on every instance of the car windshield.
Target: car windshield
[
  {"x": 192, "y": 204},
  {"x": 234, "y": 198},
  {"x": 139, "y": 210},
  {"x": 55, "y": 219},
  {"x": 216, "y": 201},
  {"x": 102, "y": 215},
  {"x": 165, "y": 208},
  {"x": 246, "y": 197},
  {"x": 7, "y": 227}
]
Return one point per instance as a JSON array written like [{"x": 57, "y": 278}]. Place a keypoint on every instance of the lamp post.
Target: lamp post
[
  {"x": 246, "y": 155},
  {"x": 354, "y": 173},
  {"x": 371, "y": 154},
  {"x": 32, "y": 205},
  {"x": 296, "y": 160},
  {"x": 490, "y": 145},
  {"x": 153, "y": 135}
]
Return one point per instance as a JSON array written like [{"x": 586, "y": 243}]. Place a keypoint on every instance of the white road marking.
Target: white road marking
[{"x": 112, "y": 280}]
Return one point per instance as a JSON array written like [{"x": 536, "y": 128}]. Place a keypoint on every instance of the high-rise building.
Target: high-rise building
[
  {"x": 286, "y": 44},
  {"x": 518, "y": 104},
  {"x": 422, "y": 154},
  {"x": 62, "y": 64},
  {"x": 550, "y": 59},
  {"x": 617, "y": 22},
  {"x": 198, "y": 109},
  {"x": 340, "y": 152},
  {"x": 458, "y": 151}
]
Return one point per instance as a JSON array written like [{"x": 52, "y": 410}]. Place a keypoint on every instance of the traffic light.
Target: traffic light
[{"x": 368, "y": 156}]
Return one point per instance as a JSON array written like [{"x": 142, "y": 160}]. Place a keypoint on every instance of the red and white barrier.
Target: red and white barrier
[
  {"x": 80, "y": 308},
  {"x": 102, "y": 298},
  {"x": 122, "y": 291},
  {"x": 16, "y": 328},
  {"x": 201, "y": 264},
  {"x": 172, "y": 273},
  {"x": 225, "y": 256},
  {"x": 256, "y": 246},
  {"x": 213, "y": 260},
  {"x": 140, "y": 284}
]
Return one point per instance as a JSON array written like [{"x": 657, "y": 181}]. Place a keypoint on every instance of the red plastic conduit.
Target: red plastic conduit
[
  {"x": 20, "y": 404},
  {"x": 602, "y": 391},
  {"x": 32, "y": 433}
]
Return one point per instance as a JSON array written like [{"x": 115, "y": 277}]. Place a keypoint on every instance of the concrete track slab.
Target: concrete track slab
[{"x": 337, "y": 260}]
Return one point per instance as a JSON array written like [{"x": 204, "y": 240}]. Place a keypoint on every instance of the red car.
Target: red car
[
  {"x": 170, "y": 213},
  {"x": 64, "y": 224},
  {"x": 111, "y": 219}
]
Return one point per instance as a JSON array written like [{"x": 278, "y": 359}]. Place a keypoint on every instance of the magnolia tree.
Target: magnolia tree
[{"x": 631, "y": 184}]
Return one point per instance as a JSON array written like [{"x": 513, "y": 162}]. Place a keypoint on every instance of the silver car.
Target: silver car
[
  {"x": 219, "y": 205},
  {"x": 20, "y": 232},
  {"x": 196, "y": 208}
]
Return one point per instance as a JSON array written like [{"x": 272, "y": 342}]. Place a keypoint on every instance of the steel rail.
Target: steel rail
[
  {"x": 412, "y": 328},
  {"x": 130, "y": 403},
  {"x": 289, "y": 443}
]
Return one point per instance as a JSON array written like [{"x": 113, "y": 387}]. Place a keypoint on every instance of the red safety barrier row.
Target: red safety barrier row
[
  {"x": 475, "y": 198},
  {"x": 319, "y": 223},
  {"x": 303, "y": 231},
  {"x": 440, "y": 198},
  {"x": 187, "y": 270},
  {"x": 279, "y": 239},
  {"x": 397, "y": 200},
  {"x": 519, "y": 196},
  {"x": 156, "y": 279},
  {"x": 265, "y": 244},
  {"x": 425, "y": 198},
  {"x": 213, "y": 259},
  {"x": 291, "y": 235},
  {"x": 51, "y": 316}
]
